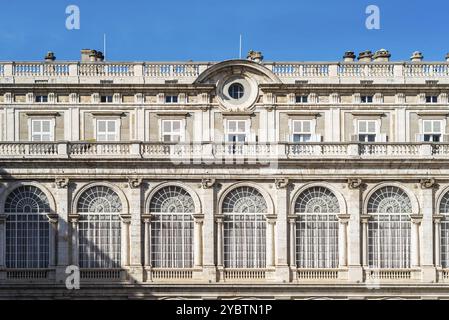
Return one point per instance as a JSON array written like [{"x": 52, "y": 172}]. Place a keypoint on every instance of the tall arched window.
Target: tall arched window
[
  {"x": 27, "y": 228},
  {"x": 99, "y": 208},
  {"x": 317, "y": 229},
  {"x": 172, "y": 228},
  {"x": 389, "y": 228},
  {"x": 444, "y": 239},
  {"x": 244, "y": 210}
]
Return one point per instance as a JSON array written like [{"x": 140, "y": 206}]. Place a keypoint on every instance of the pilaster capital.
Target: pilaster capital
[
  {"x": 427, "y": 183},
  {"x": 62, "y": 183},
  {"x": 146, "y": 218},
  {"x": 126, "y": 218},
  {"x": 52, "y": 218},
  {"x": 271, "y": 218},
  {"x": 219, "y": 218},
  {"x": 198, "y": 218},
  {"x": 416, "y": 218},
  {"x": 292, "y": 218},
  {"x": 3, "y": 218},
  {"x": 134, "y": 183},
  {"x": 437, "y": 218},
  {"x": 281, "y": 183},
  {"x": 207, "y": 183},
  {"x": 343, "y": 218},
  {"x": 364, "y": 218},
  {"x": 73, "y": 218}
]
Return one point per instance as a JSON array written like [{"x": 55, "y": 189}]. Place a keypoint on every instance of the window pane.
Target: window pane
[
  {"x": 232, "y": 126},
  {"x": 362, "y": 126},
  {"x": 101, "y": 126},
  {"x": 166, "y": 126},
  {"x": 297, "y": 126},
  {"x": 437, "y": 126},
  {"x": 242, "y": 125},
  {"x": 176, "y": 126},
  {"x": 111, "y": 126},
  {"x": 36, "y": 126},
  {"x": 371, "y": 127},
  {"x": 46, "y": 126},
  {"x": 306, "y": 126}
]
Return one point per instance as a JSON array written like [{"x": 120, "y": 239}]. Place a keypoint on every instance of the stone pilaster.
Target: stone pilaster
[
  {"x": 63, "y": 226},
  {"x": 210, "y": 241},
  {"x": 282, "y": 230},
  {"x": 426, "y": 239},
  {"x": 354, "y": 249},
  {"x": 135, "y": 229}
]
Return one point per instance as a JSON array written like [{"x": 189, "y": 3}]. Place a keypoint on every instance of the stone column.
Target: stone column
[
  {"x": 198, "y": 241},
  {"x": 63, "y": 246},
  {"x": 2, "y": 241},
  {"x": 219, "y": 220},
  {"x": 425, "y": 237},
  {"x": 437, "y": 241},
  {"x": 281, "y": 237},
  {"x": 52, "y": 250},
  {"x": 126, "y": 221},
  {"x": 271, "y": 223},
  {"x": 292, "y": 241},
  {"x": 343, "y": 220},
  {"x": 75, "y": 244},
  {"x": 365, "y": 220},
  {"x": 355, "y": 249},
  {"x": 135, "y": 229},
  {"x": 147, "y": 240},
  {"x": 209, "y": 243},
  {"x": 414, "y": 238}
]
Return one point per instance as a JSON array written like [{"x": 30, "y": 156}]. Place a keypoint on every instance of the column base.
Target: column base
[
  {"x": 209, "y": 274},
  {"x": 282, "y": 274},
  {"x": 135, "y": 274},
  {"x": 355, "y": 274},
  {"x": 428, "y": 274}
]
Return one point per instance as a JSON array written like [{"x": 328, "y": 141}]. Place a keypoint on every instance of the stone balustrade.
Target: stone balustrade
[
  {"x": 222, "y": 151},
  {"x": 187, "y": 72}
]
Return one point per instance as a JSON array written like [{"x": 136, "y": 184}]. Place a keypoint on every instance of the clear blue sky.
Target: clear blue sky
[{"x": 208, "y": 30}]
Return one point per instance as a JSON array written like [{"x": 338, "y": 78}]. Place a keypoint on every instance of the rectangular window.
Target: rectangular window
[
  {"x": 108, "y": 130},
  {"x": 42, "y": 130},
  {"x": 106, "y": 99},
  {"x": 171, "y": 99},
  {"x": 172, "y": 131},
  {"x": 301, "y": 130},
  {"x": 301, "y": 99},
  {"x": 432, "y": 130},
  {"x": 431, "y": 99},
  {"x": 41, "y": 99},
  {"x": 237, "y": 130},
  {"x": 366, "y": 99},
  {"x": 367, "y": 130}
]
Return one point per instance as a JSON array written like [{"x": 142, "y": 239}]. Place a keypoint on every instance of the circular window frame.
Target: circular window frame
[{"x": 248, "y": 99}]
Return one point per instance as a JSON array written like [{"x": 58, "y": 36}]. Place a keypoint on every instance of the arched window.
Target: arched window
[
  {"x": 27, "y": 228},
  {"x": 389, "y": 228},
  {"x": 172, "y": 228},
  {"x": 444, "y": 239},
  {"x": 99, "y": 208},
  {"x": 317, "y": 229},
  {"x": 244, "y": 210}
]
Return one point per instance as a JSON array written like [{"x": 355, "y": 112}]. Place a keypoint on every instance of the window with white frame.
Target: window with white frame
[
  {"x": 366, "y": 99},
  {"x": 171, "y": 99},
  {"x": 99, "y": 228},
  {"x": 106, "y": 99},
  {"x": 317, "y": 229},
  {"x": 432, "y": 130},
  {"x": 41, "y": 99},
  {"x": 389, "y": 228},
  {"x": 444, "y": 238},
  {"x": 108, "y": 129},
  {"x": 301, "y": 98},
  {"x": 171, "y": 210},
  {"x": 27, "y": 228},
  {"x": 431, "y": 99},
  {"x": 42, "y": 129},
  {"x": 302, "y": 130},
  {"x": 367, "y": 130},
  {"x": 244, "y": 225},
  {"x": 237, "y": 130},
  {"x": 172, "y": 130}
]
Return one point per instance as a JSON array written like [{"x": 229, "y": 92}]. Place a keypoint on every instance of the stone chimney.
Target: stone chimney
[
  {"x": 255, "y": 56},
  {"x": 349, "y": 56},
  {"x": 417, "y": 57},
  {"x": 50, "y": 57},
  {"x": 382, "y": 55},
  {"x": 366, "y": 56}
]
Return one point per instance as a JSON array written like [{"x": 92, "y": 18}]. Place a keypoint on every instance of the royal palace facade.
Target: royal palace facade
[{"x": 230, "y": 180}]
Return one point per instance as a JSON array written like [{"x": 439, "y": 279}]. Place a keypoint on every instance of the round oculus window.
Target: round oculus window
[{"x": 236, "y": 91}]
